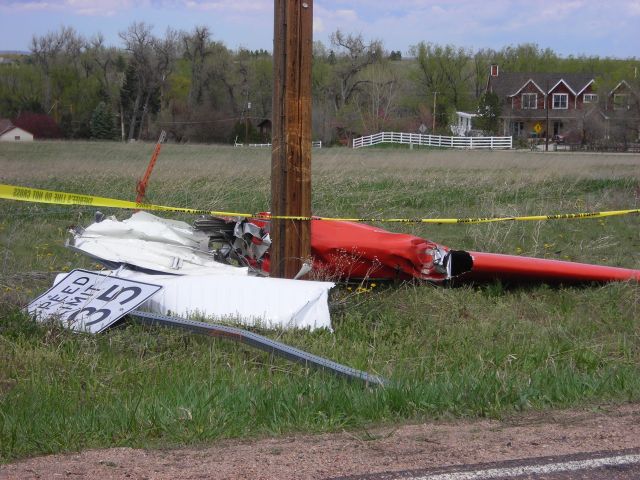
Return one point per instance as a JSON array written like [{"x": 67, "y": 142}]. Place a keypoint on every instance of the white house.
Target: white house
[{"x": 10, "y": 133}]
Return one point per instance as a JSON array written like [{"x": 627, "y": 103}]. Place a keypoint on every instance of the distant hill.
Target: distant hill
[{"x": 14, "y": 52}]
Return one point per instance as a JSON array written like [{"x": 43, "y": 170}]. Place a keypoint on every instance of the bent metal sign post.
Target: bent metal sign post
[{"x": 90, "y": 302}]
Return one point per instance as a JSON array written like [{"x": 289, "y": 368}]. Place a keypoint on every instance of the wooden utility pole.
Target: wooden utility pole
[
  {"x": 546, "y": 108},
  {"x": 291, "y": 127},
  {"x": 433, "y": 127}
]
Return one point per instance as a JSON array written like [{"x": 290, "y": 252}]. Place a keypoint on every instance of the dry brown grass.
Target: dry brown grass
[{"x": 179, "y": 162}]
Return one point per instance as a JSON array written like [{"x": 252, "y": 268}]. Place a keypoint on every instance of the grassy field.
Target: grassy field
[{"x": 451, "y": 352}]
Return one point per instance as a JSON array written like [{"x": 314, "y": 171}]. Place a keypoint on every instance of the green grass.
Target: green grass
[{"x": 450, "y": 352}]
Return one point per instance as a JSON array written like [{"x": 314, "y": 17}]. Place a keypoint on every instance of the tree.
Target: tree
[
  {"x": 47, "y": 52},
  {"x": 353, "y": 56},
  {"x": 528, "y": 57},
  {"x": 199, "y": 89},
  {"x": 196, "y": 51},
  {"x": 443, "y": 73},
  {"x": 339, "y": 84},
  {"x": 261, "y": 86},
  {"x": 108, "y": 66},
  {"x": 225, "y": 78},
  {"x": 322, "y": 92},
  {"x": 378, "y": 98},
  {"x": 102, "y": 125},
  {"x": 138, "y": 42},
  {"x": 489, "y": 113},
  {"x": 482, "y": 60},
  {"x": 152, "y": 60},
  {"x": 20, "y": 90}
]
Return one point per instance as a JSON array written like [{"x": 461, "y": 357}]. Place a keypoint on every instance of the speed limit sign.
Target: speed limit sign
[{"x": 90, "y": 302}]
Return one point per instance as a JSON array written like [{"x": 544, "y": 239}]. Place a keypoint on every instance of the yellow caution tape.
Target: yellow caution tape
[{"x": 27, "y": 194}]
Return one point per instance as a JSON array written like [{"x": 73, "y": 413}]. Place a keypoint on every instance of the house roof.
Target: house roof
[
  {"x": 5, "y": 125},
  {"x": 530, "y": 81},
  {"x": 585, "y": 87},
  {"x": 624, "y": 84},
  {"x": 565, "y": 84},
  {"x": 509, "y": 84}
]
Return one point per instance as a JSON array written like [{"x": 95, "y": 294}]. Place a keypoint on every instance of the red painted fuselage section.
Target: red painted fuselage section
[
  {"x": 348, "y": 250},
  {"x": 493, "y": 266}
]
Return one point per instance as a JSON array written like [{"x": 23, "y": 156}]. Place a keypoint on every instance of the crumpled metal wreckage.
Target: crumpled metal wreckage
[
  {"x": 340, "y": 250},
  {"x": 170, "y": 253},
  {"x": 349, "y": 251},
  {"x": 225, "y": 281}
]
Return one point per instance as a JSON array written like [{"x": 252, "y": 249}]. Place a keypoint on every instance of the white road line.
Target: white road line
[{"x": 534, "y": 469}]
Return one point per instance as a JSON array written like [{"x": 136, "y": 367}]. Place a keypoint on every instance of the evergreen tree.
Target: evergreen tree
[
  {"x": 102, "y": 126},
  {"x": 488, "y": 113}
]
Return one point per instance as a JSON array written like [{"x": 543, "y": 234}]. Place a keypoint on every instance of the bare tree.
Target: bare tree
[
  {"x": 47, "y": 51},
  {"x": 378, "y": 98},
  {"x": 163, "y": 62},
  {"x": 152, "y": 60},
  {"x": 196, "y": 51},
  {"x": 105, "y": 63},
  {"x": 138, "y": 42},
  {"x": 226, "y": 79},
  {"x": 353, "y": 56}
]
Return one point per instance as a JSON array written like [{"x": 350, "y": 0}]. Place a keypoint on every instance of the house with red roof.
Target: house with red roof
[{"x": 10, "y": 133}]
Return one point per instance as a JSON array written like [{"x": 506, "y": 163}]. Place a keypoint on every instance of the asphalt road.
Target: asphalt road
[{"x": 609, "y": 465}]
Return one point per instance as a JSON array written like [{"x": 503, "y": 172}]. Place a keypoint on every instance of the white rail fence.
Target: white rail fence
[{"x": 433, "y": 140}]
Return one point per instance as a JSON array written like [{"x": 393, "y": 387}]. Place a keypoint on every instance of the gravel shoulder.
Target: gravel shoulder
[{"x": 381, "y": 449}]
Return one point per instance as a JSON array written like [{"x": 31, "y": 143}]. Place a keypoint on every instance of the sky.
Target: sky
[{"x": 569, "y": 27}]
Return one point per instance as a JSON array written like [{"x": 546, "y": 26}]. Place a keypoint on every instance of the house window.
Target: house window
[
  {"x": 557, "y": 128},
  {"x": 517, "y": 129},
  {"x": 590, "y": 98},
  {"x": 16, "y": 138},
  {"x": 560, "y": 101},
  {"x": 529, "y": 101},
  {"x": 620, "y": 101}
]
